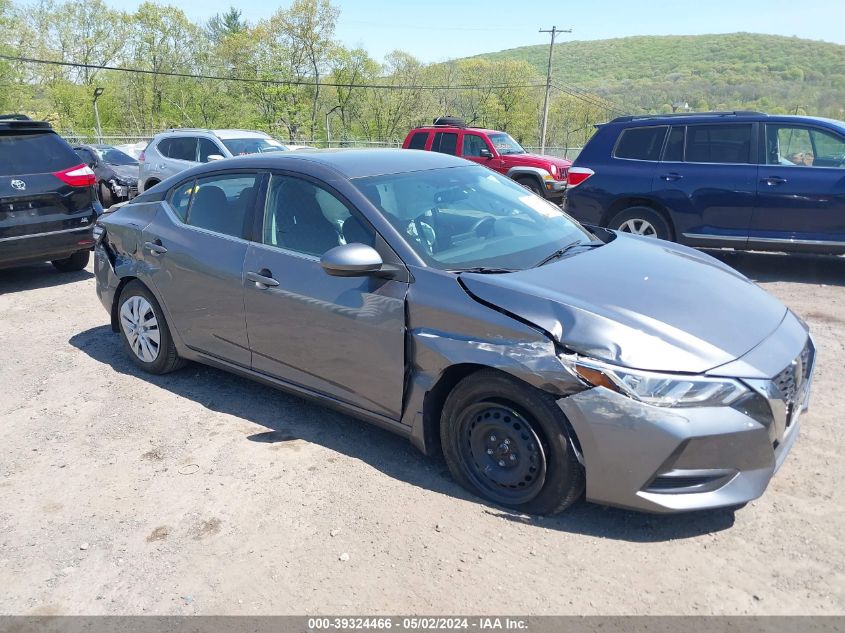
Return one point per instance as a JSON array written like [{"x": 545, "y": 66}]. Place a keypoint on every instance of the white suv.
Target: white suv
[{"x": 176, "y": 150}]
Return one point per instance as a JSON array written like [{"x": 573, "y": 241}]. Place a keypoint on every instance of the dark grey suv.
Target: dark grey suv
[{"x": 442, "y": 301}]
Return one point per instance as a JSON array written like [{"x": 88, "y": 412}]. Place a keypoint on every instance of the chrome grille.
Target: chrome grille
[{"x": 792, "y": 380}]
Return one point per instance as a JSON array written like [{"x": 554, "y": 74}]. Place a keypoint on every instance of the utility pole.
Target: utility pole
[
  {"x": 328, "y": 129},
  {"x": 554, "y": 31},
  {"x": 97, "y": 92}
]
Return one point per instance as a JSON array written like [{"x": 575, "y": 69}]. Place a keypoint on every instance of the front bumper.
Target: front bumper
[
  {"x": 123, "y": 191},
  {"x": 554, "y": 187},
  {"x": 661, "y": 459}
]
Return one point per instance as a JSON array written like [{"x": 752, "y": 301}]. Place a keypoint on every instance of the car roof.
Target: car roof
[
  {"x": 686, "y": 118},
  {"x": 349, "y": 163},
  {"x": 455, "y": 128},
  {"x": 221, "y": 134}
]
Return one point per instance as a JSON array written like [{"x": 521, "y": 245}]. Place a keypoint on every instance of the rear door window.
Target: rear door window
[
  {"x": 725, "y": 144},
  {"x": 180, "y": 198},
  {"x": 182, "y": 148},
  {"x": 34, "y": 153},
  {"x": 643, "y": 143},
  {"x": 222, "y": 203},
  {"x": 418, "y": 140},
  {"x": 85, "y": 156},
  {"x": 445, "y": 143},
  {"x": 675, "y": 145}
]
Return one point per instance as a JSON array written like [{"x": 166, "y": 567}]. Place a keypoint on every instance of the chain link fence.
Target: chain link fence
[{"x": 130, "y": 138}]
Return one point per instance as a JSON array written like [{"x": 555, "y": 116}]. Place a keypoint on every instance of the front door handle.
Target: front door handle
[
  {"x": 671, "y": 177},
  {"x": 155, "y": 247},
  {"x": 774, "y": 180},
  {"x": 263, "y": 279}
]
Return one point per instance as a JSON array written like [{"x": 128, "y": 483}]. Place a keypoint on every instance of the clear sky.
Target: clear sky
[{"x": 436, "y": 30}]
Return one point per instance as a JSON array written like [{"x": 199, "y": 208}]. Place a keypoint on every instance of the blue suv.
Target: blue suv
[{"x": 743, "y": 180}]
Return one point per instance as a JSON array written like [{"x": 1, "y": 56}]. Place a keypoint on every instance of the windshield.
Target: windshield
[
  {"x": 114, "y": 156},
  {"x": 471, "y": 217},
  {"x": 243, "y": 146},
  {"x": 505, "y": 144}
]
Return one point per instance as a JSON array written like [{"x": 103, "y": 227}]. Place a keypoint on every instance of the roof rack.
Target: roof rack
[
  {"x": 642, "y": 117},
  {"x": 187, "y": 129},
  {"x": 22, "y": 123}
]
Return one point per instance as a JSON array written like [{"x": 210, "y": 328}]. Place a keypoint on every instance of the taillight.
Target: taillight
[
  {"x": 77, "y": 176},
  {"x": 142, "y": 156},
  {"x": 577, "y": 175}
]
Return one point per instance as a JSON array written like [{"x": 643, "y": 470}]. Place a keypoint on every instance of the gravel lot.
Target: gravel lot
[{"x": 200, "y": 492}]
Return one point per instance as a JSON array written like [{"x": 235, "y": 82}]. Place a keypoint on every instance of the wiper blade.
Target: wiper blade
[
  {"x": 484, "y": 270},
  {"x": 563, "y": 251}
]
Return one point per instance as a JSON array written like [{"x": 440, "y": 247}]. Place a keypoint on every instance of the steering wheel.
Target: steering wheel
[
  {"x": 484, "y": 227},
  {"x": 423, "y": 232}
]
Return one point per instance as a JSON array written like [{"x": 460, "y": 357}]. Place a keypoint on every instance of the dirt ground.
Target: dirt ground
[{"x": 200, "y": 492}]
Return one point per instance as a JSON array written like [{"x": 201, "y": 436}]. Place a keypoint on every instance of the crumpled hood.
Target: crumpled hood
[
  {"x": 127, "y": 173},
  {"x": 639, "y": 302}
]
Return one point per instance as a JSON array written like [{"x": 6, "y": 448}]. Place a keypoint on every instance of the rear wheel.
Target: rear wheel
[
  {"x": 75, "y": 262},
  {"x": 144, "y": 330},
  {"x": 106, "y": 198},
  {"x": 533, "y": 185},
  {"x": 641, "y": 221},
  {"x": 509, "y": 443}
]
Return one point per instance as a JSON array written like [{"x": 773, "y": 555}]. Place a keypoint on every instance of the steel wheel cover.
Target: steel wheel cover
[
  {"x": 638, "y": 227},
  {"x": 140, "y": 326},
  {"x": 502, "y": 453}
]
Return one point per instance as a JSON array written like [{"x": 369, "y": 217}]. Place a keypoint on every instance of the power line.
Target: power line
[
  {"x": 255, "y": 80},
  {"x": 588, "y": 98}
]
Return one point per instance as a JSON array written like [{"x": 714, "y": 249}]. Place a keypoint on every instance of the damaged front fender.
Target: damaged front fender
[{"x": 448, "y": 329}]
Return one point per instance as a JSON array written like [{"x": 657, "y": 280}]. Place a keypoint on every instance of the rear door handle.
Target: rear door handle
[
  {"x": 155, "y": 247},
  {"x": 263, "y": 279},
  {"x": 774, "y": 180},
  {"x": 671, "y": 177}
]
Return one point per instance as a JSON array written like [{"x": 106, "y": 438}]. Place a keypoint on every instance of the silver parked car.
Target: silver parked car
[
  {"x": 440, "y": 300},
  {"x": 173, "y": 151}
]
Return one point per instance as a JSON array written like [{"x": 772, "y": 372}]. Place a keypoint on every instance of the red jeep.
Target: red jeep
[{"x": 545, "y": 175}]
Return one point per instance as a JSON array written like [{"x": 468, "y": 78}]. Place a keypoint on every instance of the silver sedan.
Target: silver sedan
[{"x": 430, "y": 296}]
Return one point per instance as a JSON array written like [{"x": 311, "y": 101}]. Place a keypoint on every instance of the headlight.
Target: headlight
[{"x": 658, "y": 389}]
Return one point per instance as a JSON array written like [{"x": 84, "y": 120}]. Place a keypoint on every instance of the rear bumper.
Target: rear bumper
[
  {"x": 107, "y": 281},
  {"x": 40, "y": 247}
]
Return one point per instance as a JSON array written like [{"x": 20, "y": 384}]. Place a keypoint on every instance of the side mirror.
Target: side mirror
[
  {"x": 486, "y": 153},
  {"x": 351, "y": 260},
  {"x": 212, "y": 157}
]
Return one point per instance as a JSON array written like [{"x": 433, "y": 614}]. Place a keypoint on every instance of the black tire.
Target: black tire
[
  {"x": 636, "y": 216},
  {"x": 106, "y": 198},
  {"x": 489, "y": 402},
  {"x": 150, "y": 184},
  {"x": 532, "y": 184},
  {"x": 74, "y": 263},
  {"x": 166, "y": 359}
]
